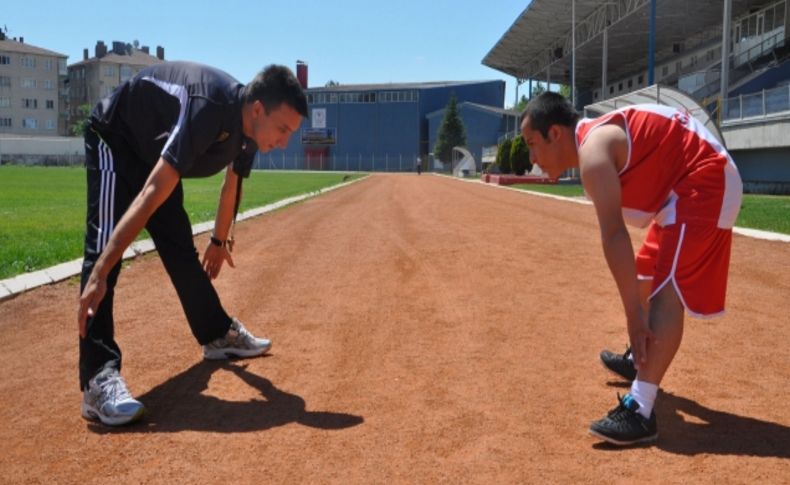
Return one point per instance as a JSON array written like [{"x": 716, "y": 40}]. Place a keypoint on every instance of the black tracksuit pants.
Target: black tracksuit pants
[{"x": 115, "y": 177}]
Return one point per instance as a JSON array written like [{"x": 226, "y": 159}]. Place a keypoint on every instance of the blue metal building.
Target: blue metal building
[{"x": 381, "y": 127}]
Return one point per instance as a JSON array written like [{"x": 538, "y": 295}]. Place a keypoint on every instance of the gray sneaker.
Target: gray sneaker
[
  {"x": 108, "y": 400},
  {"x": 238, "y": 342}
]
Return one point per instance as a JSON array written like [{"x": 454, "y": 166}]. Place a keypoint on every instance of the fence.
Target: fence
[
  {"x": 761, "y": 104},
  {"x": 42, "y": 150},
  {"x": 360, "y": 162}
]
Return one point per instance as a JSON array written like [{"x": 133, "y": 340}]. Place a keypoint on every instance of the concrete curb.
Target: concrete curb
[{"x": 24, "y": 282}]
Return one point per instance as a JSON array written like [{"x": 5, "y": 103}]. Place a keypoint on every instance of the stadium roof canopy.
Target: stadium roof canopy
[{"x": 538, "y": 44}]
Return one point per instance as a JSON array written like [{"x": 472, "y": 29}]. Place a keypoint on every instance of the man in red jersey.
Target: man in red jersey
[{"x": 647, "y": 165}]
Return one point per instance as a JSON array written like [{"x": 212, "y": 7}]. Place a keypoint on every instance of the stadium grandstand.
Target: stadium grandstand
[{"x": 610, "y": 52}]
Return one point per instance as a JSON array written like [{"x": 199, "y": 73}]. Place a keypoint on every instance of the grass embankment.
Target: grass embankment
[
  {"x": 764, "y": 212},
  {"x": 42, "y": 209}
]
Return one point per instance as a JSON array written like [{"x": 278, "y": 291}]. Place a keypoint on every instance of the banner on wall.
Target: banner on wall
[{"x": 319, "y": 136}]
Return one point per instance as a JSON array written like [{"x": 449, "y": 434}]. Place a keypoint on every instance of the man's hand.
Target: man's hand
[
  {"x": 90, "y": 299},
  {"x": 213, "y": 259},
  {"x": 638, "y": 334}
]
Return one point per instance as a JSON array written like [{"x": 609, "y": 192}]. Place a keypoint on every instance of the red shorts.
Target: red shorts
[{"x": 694, "y": 257}]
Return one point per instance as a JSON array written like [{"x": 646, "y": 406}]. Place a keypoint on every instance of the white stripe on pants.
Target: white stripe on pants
[{"x": 106, "y": 197}]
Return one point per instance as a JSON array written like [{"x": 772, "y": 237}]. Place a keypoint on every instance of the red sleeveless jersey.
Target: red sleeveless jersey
[{"x": 676, "y": 170}]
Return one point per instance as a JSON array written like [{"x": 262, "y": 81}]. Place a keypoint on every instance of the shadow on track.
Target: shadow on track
[
  {"x": 179, "y": 405},
  {"x": 686, "y": 427}
]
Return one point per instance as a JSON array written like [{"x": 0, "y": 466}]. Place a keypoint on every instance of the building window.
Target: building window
[
  {"x": 48, "y": 64},
  {"x": 664, "y": 71},
  {"x": 126, "y": 73},
  {"x": 620, "y": 87},
  {"x": 50, "y": 104},
  {"x": 630, "y": 83},
  {"x": 29, "y": 103},
  {"x": 31, "y": 123},
  {"x": 5, "y": 122},
  {"x": 50, "y": 124},
  {"x": 5, "y": 60},
  {"x": 109, "y": 71},
  {"x": 48, "y": 84},
  {"x": 611, "y": 89},
  {"x": 5, "y": 102},
  {"x": 640, "y": 79},
  {"x": 28, "y": 82},
  {"x": 5, "y": 81},
  {"x": 26, "y": 61}
]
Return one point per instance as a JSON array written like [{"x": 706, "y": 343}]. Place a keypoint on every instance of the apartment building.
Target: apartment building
[
  {"x": 33, "y": 96},
  {"x": 96, "y": 77}
]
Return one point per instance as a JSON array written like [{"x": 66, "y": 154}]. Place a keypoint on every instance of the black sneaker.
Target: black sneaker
[
  {"x": 624, "y": 426},
  {"x": 620, "y": 364}
]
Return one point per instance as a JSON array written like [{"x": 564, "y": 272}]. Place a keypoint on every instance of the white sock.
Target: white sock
[{"x": 645, "y": 394}]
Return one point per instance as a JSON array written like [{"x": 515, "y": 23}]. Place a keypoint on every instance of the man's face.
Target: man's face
[
  {"x": 272, "y": 130},
  {"x": 544, "y": 152}
]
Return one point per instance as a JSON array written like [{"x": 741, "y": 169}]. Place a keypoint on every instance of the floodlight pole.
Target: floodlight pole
[
  {"x": 725, "y": 57},
  {"x": 651, "y": 44},
  {"x": 604, "y": 62},
  {"x": 573, "y": 53}
]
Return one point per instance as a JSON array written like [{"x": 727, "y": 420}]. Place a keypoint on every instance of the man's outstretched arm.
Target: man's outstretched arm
[
  {"x": 157, "y": 189},
  {"x": 215, "y": 256},
  {"x": 598, "y": 166}
]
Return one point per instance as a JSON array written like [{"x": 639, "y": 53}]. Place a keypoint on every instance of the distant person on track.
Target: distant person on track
[
  {"x": 419, "y": 166},
  {"x": 170, "y": 121},
  {"x": 647, "y": 165}
]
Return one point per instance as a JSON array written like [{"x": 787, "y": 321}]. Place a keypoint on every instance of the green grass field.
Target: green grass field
[
  {"x": 42, "y": 209},
  {"x": 765, "y": 212}
]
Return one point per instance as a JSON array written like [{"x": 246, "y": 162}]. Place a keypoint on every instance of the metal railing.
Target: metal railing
[
  {"x": 740, "y": 65},
  {"x": 768, "y": 102},
  {"x": 361, "y": 162}
]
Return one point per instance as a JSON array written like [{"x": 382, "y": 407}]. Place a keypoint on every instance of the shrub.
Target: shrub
[
  {"x": 519, "y": 157},
  {"x": 503, "y": 157}
]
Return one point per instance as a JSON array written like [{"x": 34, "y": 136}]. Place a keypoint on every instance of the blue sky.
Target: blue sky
[{"x": 349, "y": 41}]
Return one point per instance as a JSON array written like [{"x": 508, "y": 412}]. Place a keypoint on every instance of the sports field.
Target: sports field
[{"x": 422, "y": 334}]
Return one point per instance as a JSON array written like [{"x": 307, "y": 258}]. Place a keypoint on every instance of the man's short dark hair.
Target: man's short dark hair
[
  {"x": 276, "y": 85},
  {"x": 550, "y": 109}
]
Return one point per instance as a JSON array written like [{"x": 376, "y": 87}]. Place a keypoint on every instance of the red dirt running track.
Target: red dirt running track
[{"x": 425, "y": 330}]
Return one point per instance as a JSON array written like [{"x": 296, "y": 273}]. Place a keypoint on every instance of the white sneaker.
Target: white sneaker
[
  {"x": 108, "y": 400},
  {"x": 238, "y": 342}
]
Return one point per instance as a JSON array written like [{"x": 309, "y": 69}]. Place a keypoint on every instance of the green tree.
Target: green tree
[
  {"x": 451, "y": 133},
  {"x": 565, "y": 90},
  {"x": 80, "y": 121},
  {"x": 331, "y": 83},
  {"x": 522, "y": 103},
  {"x": 538, "y": 89},
  {"x": 519, "y": 157},
  {"x": 503, "y": 156}
]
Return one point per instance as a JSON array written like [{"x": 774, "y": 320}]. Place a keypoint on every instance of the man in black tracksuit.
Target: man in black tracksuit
[{"x": 170, "y": 121}]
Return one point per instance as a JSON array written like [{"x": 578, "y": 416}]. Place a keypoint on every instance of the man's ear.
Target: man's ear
[
  {"x": 257, "y": 108},
  {"x": 555, "y": 132}
]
